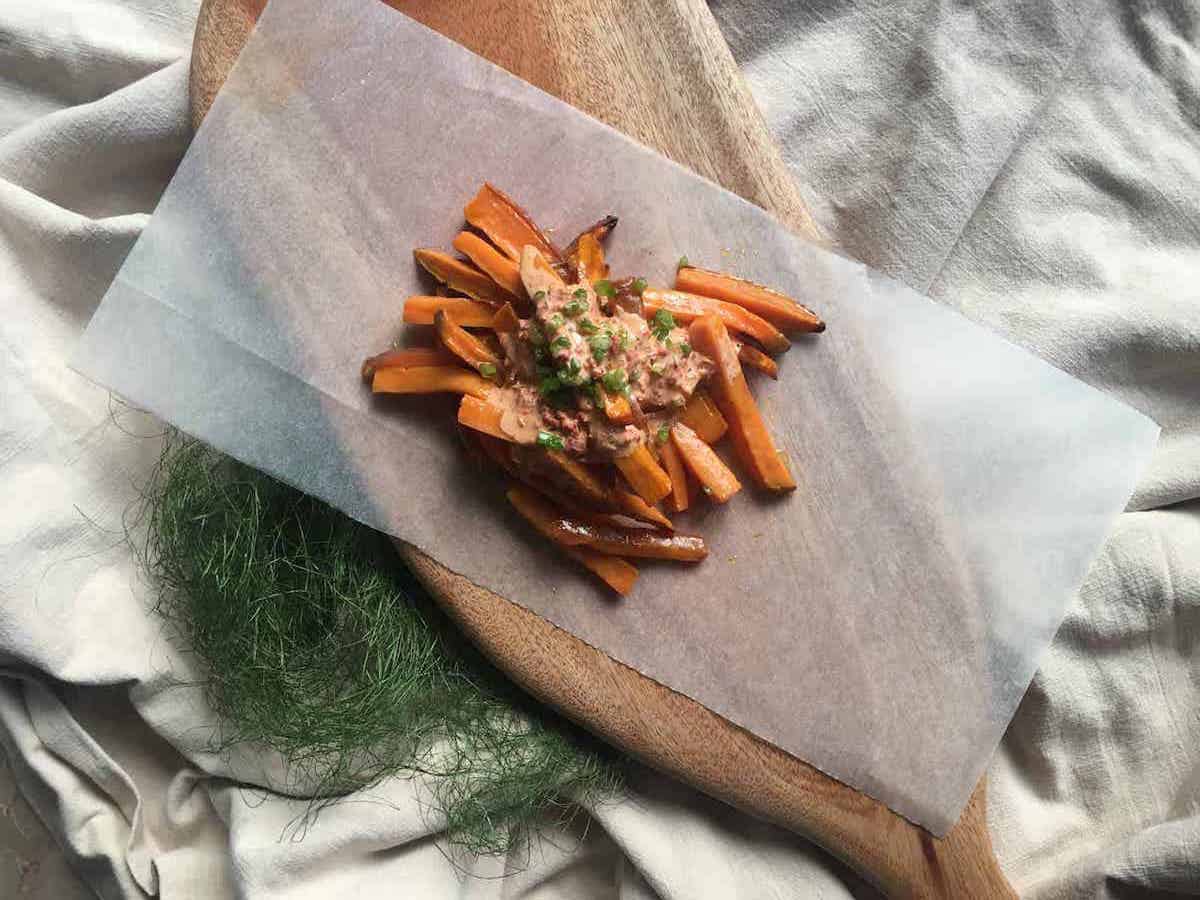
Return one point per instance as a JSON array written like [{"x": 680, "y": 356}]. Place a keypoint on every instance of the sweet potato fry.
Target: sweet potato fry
[
  {"x": 617, "y": 408},
  {"x": 714, "y": 476},
  {"x": 647, "y": 544},
  {"x": 617, "y": 573},
  {"x": 599, "y": 231},
  {"x": 702, "y": 416},
  {"x": 499, "y": 268},
  {"x": 751, "y": 440},
  {"x": 420, "y": 310},
  {"x": 635, "y": 507},
  {"x": 407, "y": 358},
  {"x": 756, "y": 359},
  {"x": 507, "y": 225},
  {"x": 644, "y": 475},
  {"x": 498, "y": 449},
  {"x": 778, "y": 309},
  {"x": 680, "y": 497},
  {"x": 562, "y": 529},
  {"x": 430, "y": 380},
  {"x": 576, "y": 477},
  {"x": 614, "y": 510},
  {"x": 688, "y": 307},
  {"x": 461, "y": 276},
  {"x": 483, "y": 417},
  {"x": 505, "y": 320},
  {"x": 536, "y": 273},
  {"x": 588, "y": 262},
  {"x": 470, "y": 349}
]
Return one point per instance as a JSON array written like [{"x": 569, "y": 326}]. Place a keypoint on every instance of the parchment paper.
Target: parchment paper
[{"x": 881, "y": 623}]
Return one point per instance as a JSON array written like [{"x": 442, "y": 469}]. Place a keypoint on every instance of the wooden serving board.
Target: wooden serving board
[{"x": 660, "y": 71}]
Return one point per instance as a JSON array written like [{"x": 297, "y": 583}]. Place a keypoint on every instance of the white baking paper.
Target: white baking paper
[{"x": 882, "y": 622}]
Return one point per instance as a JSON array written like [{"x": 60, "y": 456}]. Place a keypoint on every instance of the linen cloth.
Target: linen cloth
[{"x": 1035, "y": 164}]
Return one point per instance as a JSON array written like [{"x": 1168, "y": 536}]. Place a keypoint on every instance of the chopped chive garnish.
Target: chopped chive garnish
[
  {"x": 549, "y": 440},
  {"x": 535, "y": 334},
  {"x": 683, "y": 263},
  {"x": 600, "y": 344},
  {"x": 539, "y": 295},
  {"x": 639, "y": 285},
  {"x": 570, "y": 373},
  {"x": 663, "y": 434},
  {"x": 625, "y": 340},
  {"x": 487, "y": 370},
  {"x": 685, "y": 348},
  {"x": 662, "y": 324},
  {"x": 548, "y": 385},
  {"x": 562, "y": 342},
  {"x": 614, "y": 381},
  {"x": 579, "y": 293},
  {"x": 604, "y": 288},
  {"x": 574, "y": 308},
  {"x": 587, "y": 326}
]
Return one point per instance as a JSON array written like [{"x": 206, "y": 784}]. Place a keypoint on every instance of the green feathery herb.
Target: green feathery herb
[{"x": 317, "y": 642}]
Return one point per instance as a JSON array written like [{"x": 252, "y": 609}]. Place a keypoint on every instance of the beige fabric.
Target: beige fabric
[{"x": 1033, "y": 163}]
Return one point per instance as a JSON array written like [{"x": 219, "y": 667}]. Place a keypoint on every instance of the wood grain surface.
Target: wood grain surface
[{"x": 660, "y": 71}]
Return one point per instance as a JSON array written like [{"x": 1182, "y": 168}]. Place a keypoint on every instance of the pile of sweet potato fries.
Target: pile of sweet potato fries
[{"x": 600, "y": 512}]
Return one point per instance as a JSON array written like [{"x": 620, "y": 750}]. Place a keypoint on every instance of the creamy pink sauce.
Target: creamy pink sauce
[{"x": 559, "y": 361}]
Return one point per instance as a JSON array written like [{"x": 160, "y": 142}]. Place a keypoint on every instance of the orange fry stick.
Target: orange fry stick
[
  {"x": 430, "y": 380},
  {"x": 507, "y": 225},
  {"x": 621, "y": 503},
  {"x": 778, "y": 309},
  {"x": 537, "y": 274},
  {"x": 505, "y": 320},
  {"x": 714, "y": 476},
  {"x": 464, "y": 345},
  {"x": 756, "y": 359},
  {"x": 460, "y": 276},
  {"x": 644, "y": 475},
  {"x": 562, "y": 529},
  {"x": 498, "y": 449},
  {"x": 751, "y": 440},
  {"x": 583, "y": 484},
  {"x": 679, "y": 499},
  {"x": 589, "y": 261},
  {"x": 499, "y": 267},
  {"x": 688, "y": 307},
  {"x": 407, "y": 358},
  {"x": 617, "y": 408},
  {"x": 702, "y": 416},
  {"x": 420, "y": 310},
  {"x": 599, "y": 231},
  {"x": 617, "y": 573},
  {"x": 485, "y": 418},
  {"x": 630, "y": 504}
]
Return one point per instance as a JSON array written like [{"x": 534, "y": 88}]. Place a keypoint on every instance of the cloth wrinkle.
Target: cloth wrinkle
[{"x": 1079, "y": 238}]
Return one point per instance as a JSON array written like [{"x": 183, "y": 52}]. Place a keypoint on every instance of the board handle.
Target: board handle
[{"x": 677, "y": 735}]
